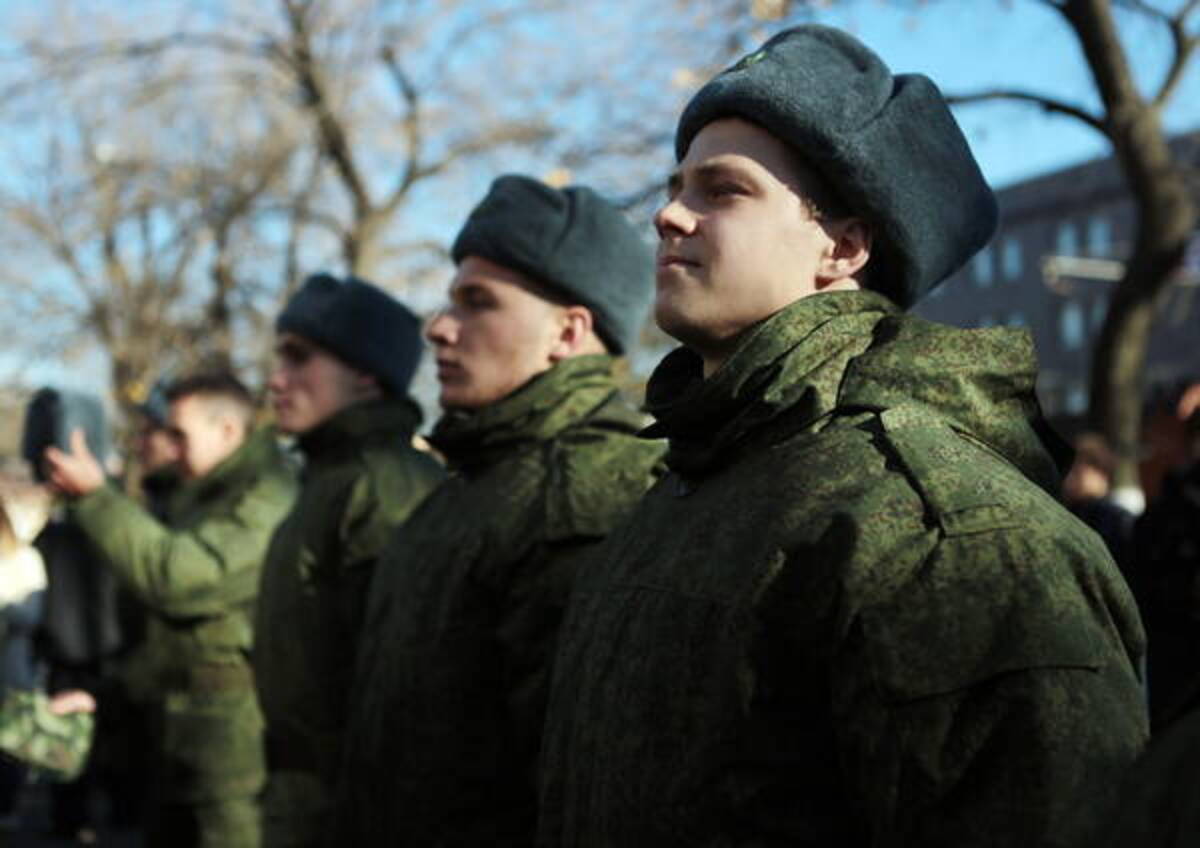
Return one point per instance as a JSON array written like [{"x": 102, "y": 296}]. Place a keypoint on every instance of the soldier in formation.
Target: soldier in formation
[
  {"x": 854, "y": 613},
  {"x": 345, "y": 355},
  {"x": 449, "y": 692}
]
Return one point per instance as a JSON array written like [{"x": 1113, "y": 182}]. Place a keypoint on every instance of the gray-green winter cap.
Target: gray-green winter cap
[
  {"x": 572, "y": 241},
  {"x": 887, "y": 145},
  {"x": 360, "y": 324}
]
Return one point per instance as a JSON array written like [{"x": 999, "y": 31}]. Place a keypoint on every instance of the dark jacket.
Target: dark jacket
[
  {"x": 362, "y": 477},
  {"x": 1165, "y": 576},
  {"x": 197, "y": 574},
  {"x": 464, "y": 611},
  {"x": 853, "y": 614}
]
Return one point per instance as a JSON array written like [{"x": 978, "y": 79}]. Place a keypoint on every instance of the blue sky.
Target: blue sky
[{"x": 968, "y": 45}]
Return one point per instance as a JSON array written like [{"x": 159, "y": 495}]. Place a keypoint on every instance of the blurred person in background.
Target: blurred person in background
[
  {"x": 122, "y": 755},
  {"x": 1087, "y": 490},
  {"x": 81, "y": 626},
  {"x": 157, "y": 449},
  {"x": 23, "y": 511},
  {"x": 1165, "y": 569},
  {"x": 197, "y": 571}
]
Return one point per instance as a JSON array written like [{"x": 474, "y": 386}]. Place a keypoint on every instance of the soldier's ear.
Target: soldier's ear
[
  {"x": 366, "y": 385},
  {"x": 846, "y": 254},
  {"x": 576, "y": 333}
]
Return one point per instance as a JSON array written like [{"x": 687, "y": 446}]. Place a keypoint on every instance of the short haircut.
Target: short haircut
[
  {"x": 221, "y": 387},
  {"x": 823, "y": 202}
]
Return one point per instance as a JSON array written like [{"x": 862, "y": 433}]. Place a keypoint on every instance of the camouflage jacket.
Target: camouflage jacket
[
  {"x": 465, "y": 606},
  {"x": 361, "y": 479},
  {"x": 853, "y": 614},
  {"x": 56, "y": 745},
  {"x": 197, "y": 575}
]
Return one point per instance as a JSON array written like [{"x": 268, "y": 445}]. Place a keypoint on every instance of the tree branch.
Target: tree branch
[
  {"x": 411, "y": 125},
  {"x": 316, "y": 100},
  {"x": 1048, "y": 104},
  {"x": 515, "y": 133},
  {"x": 1093, "y": 24},
  {"x": 1185, "y": 46}
]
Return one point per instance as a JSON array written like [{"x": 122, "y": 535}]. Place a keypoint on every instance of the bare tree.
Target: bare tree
[
  {"x": 232, "y": 153},
  {"x": 1163, "y": 194}
]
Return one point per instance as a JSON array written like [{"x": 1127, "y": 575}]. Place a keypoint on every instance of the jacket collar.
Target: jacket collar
[
  {"x": 385, "y": 419},
  {"x": 792, "y": 362},
  {"x": 537, "y": 412},
  {"x": 258, "y": 452}
]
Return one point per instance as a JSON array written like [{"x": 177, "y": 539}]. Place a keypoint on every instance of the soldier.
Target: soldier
[
  {"x": 157, "y": 451},
  {"x": 197, "y": 572},
  {"x": 346, "y": 353},
  {"x": 854, "y": 612},
  {"x": 462, "y": 616}
]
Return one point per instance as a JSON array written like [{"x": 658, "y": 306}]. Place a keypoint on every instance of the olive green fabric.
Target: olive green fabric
[
  {"x": 198, "y": 573},
  {"x": 56, "y": 745},
  {"x": 853, "y": 614},
  {"x": 463, "y": 613},
  {"x": 362, "y": 478}
]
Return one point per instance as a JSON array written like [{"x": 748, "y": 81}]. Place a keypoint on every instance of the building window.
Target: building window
[
  {"x": 1099, "y": 236},
  {"x": 982, "y": 267},
  {"x": 1070, "y": 326},
  {"x": 1099, "y": 312},
  {"x": 1067, "y": 241},
  {"x": 1011, "y": 259}
]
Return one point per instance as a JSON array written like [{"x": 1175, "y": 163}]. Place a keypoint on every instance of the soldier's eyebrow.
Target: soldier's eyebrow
[
  {"x": 707, "y": 172},
  {"x": 674, "y": 182},
  {"x": 470, "y": 290},
  {"x": 715, "y": 170}
]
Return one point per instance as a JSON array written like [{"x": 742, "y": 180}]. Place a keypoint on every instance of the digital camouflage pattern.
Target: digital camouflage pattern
[
  {"x": 361, "y": 479},
  {"x": 197, "y": 573},
  {"x": 463, "y": 613},
  {"x": 56, "y": 745},
  {"x": 853, "y": 613}
]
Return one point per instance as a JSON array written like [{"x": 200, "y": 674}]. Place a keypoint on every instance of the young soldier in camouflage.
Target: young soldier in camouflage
[
  {"x": 854, "y": 612},
  {"x": 197, "y": 572},
  {"x": 463, "y": 614},
  {"x": 346, "y": 354}
]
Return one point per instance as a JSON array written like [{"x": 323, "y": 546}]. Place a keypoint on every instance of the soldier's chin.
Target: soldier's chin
[
  {"x": 285, "y": 421},
  {"x": 677, "y": 323},
  {"x": 456, "y": 395}
]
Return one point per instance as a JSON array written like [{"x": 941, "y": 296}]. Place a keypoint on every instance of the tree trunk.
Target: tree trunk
[{"x": 1165, "y": 220}]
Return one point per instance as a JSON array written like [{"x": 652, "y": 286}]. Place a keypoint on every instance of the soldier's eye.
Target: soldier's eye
[{"x": 293, "y": 353}]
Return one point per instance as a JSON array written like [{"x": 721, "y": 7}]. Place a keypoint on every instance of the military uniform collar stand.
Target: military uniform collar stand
[
  {"x": 537, "y": 412},
  {"x": 388, "y": 418},
  {"x": 792, "y": 362},
  {"x": 259, "y": 451}
]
